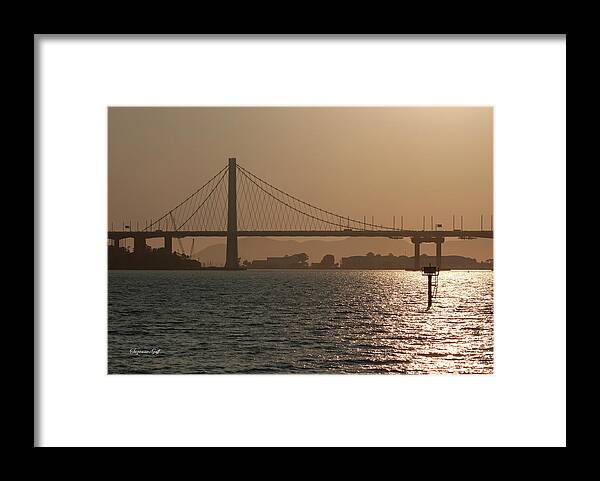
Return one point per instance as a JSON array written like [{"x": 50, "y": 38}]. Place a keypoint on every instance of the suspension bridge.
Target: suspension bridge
[{"x": 236, "y": 203}]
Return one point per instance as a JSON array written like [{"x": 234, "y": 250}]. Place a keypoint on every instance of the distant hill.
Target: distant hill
[{"x": 251, "y": 248}]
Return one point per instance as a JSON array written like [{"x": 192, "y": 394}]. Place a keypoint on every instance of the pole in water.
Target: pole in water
[
  {"x": 430, "y": 271},
  {"x": 429, "y": 299}
]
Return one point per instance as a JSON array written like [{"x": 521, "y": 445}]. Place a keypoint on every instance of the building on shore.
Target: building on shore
[
  {"x": 296, "y": 261},
  {"x": 328, "y": 262}
]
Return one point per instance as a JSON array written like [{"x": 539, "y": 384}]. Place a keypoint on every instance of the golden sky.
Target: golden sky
[{"x": 357, "y": 161}]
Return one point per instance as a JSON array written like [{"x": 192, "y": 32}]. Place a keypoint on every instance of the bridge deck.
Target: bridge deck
[{"x": 482, "y": 234}]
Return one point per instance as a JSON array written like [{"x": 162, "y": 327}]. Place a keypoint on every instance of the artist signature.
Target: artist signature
[{"x": 136, "y": 352}]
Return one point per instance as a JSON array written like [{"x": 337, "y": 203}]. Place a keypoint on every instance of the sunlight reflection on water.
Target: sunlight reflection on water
[{"x": 292, "y": 321}]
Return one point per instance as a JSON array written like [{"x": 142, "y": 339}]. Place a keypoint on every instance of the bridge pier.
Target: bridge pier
[
  {"x": 168, "y": 244},
  {"x": 231, "y": 261},
  {"x": 417, "y": 241},
  {"x": 417, "y": 244},
  {"x": 438, "y": 252},
  {"x": 139, "y": 244}
]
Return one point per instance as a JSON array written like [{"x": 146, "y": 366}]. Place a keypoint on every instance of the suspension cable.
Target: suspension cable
[
  {"x": 291, "y": 207},
  {"x": 203, "y": 202},
  {"x": 309, "y": 205},
  {"x": 187, "y": 198}
]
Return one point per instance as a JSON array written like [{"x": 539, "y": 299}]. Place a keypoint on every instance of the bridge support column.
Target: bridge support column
[
  {"x": 417, "y": 244},
  {"x": 231, "y": 261},
  {"x": 438, "y": 252},
  {"x": 139, "y": 244},
  {"x": 169, "y": 244}
]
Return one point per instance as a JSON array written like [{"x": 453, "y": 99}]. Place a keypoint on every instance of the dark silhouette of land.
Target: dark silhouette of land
[
  {"x": 261, "y": 248},
  {"x": 121, "y": 258},
  {"x": 295, "y": 261},
  {"x": 390, "y": 261},
  {"x": 328, "y": 262}
]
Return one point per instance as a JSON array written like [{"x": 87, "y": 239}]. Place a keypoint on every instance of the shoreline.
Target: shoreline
[{"x": 280, "y": 269}]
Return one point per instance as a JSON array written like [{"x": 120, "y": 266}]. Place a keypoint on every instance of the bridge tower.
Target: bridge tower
[{"x": 231, "y": 262}]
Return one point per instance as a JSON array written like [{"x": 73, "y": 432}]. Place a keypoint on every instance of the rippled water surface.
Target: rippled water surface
[{"x": 290, "y": 321}]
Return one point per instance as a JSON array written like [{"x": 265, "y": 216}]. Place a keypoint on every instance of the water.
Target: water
[{"x": 291, "y": 321}]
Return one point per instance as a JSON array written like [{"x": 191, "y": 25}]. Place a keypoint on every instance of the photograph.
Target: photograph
[{"x": 300, "y": 240}]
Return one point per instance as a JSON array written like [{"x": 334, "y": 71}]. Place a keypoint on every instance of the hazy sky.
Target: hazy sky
[{"x": 356, "y": 162}]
